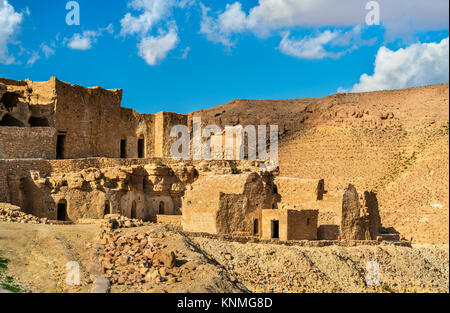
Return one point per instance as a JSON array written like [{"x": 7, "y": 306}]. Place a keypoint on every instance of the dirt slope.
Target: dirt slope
[
  {"x": 394, "y": 142},
  {"x": 37, "y": 256}
]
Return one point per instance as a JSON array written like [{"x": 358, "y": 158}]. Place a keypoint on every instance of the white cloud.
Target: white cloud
[
  {"x": 10, "y": 22},
  {"x": 399, "y": 17},
  {"x": 186, "y": 53},
  {"x": 154, "y": 49},
  {"x": 34, "y": 57},
  {"x": 85, "y": 40},
  {"x": 152, "y": 13},
  {"x": 418, "y": 14},
  {"x": 232, "y": 20},
  {"x": 327, "y": 44},
  {"x": 416, "y": 65},
  {"x": 47, "y": 50}
]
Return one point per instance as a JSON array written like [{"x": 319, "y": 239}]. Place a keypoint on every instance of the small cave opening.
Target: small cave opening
[
  {"x": 10, "y": 100},
  {"x": 10, "y": 121},
  {"x": 38, "y": 122}
]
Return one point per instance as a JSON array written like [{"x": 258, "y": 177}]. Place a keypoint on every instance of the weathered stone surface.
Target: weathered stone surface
[{"x": 353, "y": 225}]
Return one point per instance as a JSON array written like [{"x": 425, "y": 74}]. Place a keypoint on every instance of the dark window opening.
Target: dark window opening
[
  {"x": 256, "y": 227},
  {"x": 123, "y": 149},
  {"x": 161, "y": 208},
  {"x": 133, "y": 210},
  {"x": 308, "y": 221},
  {"x": 275, "y": 229},
  {"x": 10, "y": 121},
  {"x": 141, "y": 148},
  {"x": 60, "y": 141},
  {"x": 38, "y": 122},
  {"x": 10, "y": 100},
  {"x": 107, "y": 208},
  {"x": 62, "y": 210}
]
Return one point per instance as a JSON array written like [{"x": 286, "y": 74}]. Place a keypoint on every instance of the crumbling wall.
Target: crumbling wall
[
  {"x": 164, "y": 121},
  {"x": 90, "y": 120},
  {"x": 224, "y": 204},
  {"x": 360, "y": 216}
]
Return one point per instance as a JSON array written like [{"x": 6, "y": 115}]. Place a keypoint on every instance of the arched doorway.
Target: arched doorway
[
  {"x": 62, "y": 210},
  {"x": 161, "y": 210},
  {"x": 133, "y": 210}
]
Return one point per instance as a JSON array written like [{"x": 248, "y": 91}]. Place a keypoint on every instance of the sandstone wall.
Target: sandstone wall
[
  {"x": 292, "y": 224},
  {"x": 302, "y": 224},
  {"x": 90, "y": 119},
  {"x": 268, "y": 216},
  {"x": 225, "y": 204},
  {"x": 25, "y": 142},
  {"x": 164, "y": 121},
  {"x": 296, "y": 191}
]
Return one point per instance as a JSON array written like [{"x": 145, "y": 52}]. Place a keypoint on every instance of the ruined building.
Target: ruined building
[{"x": 69, "y": 153}]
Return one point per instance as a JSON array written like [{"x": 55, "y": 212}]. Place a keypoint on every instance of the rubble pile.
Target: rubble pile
[
  {"x": 112, "y": 222},
  {"x": 140, "y": 260},
  {"x": 17, "y": 216}
]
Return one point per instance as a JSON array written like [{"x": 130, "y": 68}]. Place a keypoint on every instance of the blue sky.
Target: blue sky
[{"x": 186, "y": 55}]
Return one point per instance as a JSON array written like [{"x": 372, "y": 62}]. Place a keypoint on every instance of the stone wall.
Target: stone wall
[
  {"x": 292, "y": 224},
  {"x": 296, "y": 191},
  {"x": 27, "y": 143},
  {"x": 227, "y": 204},
  {"x": 90, "y": 121},
  {"x": 302, "y": 224},
  {"x": 169, "y": 219},
  {"x": 164, "y": 121}
]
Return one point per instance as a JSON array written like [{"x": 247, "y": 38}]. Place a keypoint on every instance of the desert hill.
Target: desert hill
[{"x": 393, "y": 142}]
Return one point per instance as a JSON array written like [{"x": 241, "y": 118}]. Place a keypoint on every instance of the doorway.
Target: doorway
[
  {"x": 60, "y": 142},
  {"x": 123, "y": 149},
  {"x": 107, "y": 210},
  {"x": 161, "y": 208},
  {"x": 256, "y": 227},
  {"x": 133, "y": 210},
  {"x": 275, "y": 229},
  {"x": 62, "y": 210},
  {"x": 141, "y": 148}
]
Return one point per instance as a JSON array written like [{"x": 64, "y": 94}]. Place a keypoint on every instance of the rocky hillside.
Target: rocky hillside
[
  {"x": 393, "y": 142},
  {"x": 37, "y": 258}
]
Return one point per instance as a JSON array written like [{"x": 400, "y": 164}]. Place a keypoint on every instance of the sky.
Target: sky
[{"x": 186, "y": 55}]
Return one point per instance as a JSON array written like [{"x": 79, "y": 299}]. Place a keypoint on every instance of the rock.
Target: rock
[
  {"x": 353, "y": 225},
  {"x": 166, "y": 258}
]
